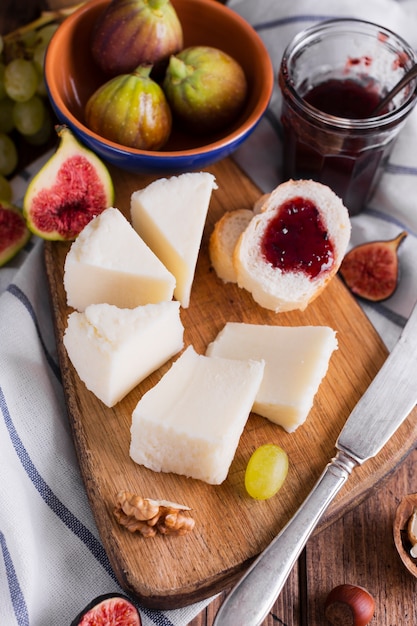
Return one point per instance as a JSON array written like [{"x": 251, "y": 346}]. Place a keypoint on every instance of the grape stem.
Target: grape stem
[{"x": 45, "y": 18}]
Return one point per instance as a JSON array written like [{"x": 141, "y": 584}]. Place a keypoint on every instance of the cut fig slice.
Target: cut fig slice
[
  {"x": 14, "y": 233},
  {"x": 72, "y": 187},
  {"x": 107, "y": 609},
  {"x": 370, "y": 270}
]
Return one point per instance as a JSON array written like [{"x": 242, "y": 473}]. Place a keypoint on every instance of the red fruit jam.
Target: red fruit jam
[
  {"x": 344, "y": 98},
  {"x": 296, "y": 239},
  {"x": 349, "y": 162}
]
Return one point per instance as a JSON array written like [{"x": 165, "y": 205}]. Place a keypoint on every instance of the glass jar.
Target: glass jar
[{"x": 332, "y": 76}]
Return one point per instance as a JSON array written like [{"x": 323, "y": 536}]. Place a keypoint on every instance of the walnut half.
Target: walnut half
[{"x": 149, "y": 517}]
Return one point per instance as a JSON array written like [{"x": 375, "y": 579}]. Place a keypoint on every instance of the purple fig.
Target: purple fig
[
  {"x": 130, "y": 33},
  {"x": 131, "y": 110},
  {"x": 205, "y": 87}
]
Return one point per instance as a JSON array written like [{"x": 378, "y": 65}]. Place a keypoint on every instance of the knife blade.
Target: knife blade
[{"x": 384, "y": 406}]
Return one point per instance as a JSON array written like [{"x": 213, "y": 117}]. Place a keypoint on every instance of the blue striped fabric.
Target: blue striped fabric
[{"x": 53, "y": 562}]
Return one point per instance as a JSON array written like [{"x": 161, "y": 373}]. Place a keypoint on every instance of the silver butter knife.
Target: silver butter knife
[{"x": 389, "y": 399}]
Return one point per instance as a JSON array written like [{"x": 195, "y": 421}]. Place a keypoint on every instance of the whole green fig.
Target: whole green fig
[
  {"x": 205, "y": 87},
  {"x": 130, "y": 33},
  {"x": 131, "y": 110}
]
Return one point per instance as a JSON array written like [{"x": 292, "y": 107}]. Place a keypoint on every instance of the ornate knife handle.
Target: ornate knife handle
[{"x": 250, "y": 601}]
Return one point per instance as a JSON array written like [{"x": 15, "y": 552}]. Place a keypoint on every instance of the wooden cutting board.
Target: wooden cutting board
[{"x": 231, "y": 529}]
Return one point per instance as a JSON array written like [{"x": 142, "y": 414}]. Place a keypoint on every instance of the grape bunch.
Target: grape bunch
[{"x": 25, "y": 115}]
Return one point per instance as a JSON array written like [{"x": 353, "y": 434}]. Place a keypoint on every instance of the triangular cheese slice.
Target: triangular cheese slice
[
  {"x": 110, "y": 263},
  {"x": 114, "y": 349},
  {"x": 169, "y": 215}
]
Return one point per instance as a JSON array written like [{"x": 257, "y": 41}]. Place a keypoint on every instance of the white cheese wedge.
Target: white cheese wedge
[
  {"x": 190, "y": 423},
  {"x": 114, "y": 349},
  {"x": 296, "y": 361},
  {"x": 169, "y": 215},
  {"x": 109, "y": 262}
]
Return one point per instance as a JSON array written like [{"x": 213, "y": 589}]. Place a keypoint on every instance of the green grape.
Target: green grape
[
  {"x": 43, "y": 134},
  {"x": 266, "y": 471},
  {"x": 21, "y": 79},
  {"x": 6, "y": 192},
  {"x": 28, "y": 117},
  {"x": 39, "y": 57},
  {"x": 6, "y": 115},
  {"x": 45, "y": 34},
  {"x": 8, "y": 155}
]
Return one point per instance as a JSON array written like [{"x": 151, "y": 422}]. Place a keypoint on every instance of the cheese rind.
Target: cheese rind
[
  {"x": 114, "y": 349},
  {"x": 296, "y": 361},
  {"x": 169, "y": 215},
  {"x": 110, "y": 263},
  {"x": 190, "y": 423}
]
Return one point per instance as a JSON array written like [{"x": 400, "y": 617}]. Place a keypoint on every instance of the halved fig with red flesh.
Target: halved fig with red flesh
[
  {"x": 14, "y": 233},
  {"x": 370, "y": 270},
  {"x": 71, "y": 188},
  {"x": 110, "y": 609}
]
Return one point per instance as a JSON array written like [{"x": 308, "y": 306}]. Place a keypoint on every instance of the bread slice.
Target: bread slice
[
  {"x": 225, "y": 235},
  {"x": 287, "y": 286},
  {"x": 223, "y": 239}
]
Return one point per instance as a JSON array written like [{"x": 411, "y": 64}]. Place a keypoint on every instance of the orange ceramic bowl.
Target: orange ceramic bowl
[{"x": 71, "y": 77}]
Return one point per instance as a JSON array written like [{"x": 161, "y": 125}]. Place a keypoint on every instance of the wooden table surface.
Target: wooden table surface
[{"x": 357, "y": 549}]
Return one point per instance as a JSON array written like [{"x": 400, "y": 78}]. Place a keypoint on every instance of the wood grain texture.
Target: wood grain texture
[
  {"x": 357, "y": 549},
  {"x": 231, "y": 529}
]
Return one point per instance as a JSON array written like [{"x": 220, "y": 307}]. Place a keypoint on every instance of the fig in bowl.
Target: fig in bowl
[
  {"x": 131, "y": 109},
  {"x": 205, "y": 87},
  {"x": 129, "y": 33},
  {"x": 72, "y": 76}
]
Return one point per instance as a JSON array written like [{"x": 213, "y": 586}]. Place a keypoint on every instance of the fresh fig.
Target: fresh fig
[
  {"x": 14, "y": 233},
  {"x": 109, "y": 609},
  {"x": 72, "y": 187},
  {"x": 205, "y": 87},
  {"x": 130, "y": 33},
  {"x": 370, "y": 270},
  {"x": 131, "y": 109}
]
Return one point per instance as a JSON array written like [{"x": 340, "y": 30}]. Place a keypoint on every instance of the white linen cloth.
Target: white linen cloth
[{"x": 52, "y": 562}]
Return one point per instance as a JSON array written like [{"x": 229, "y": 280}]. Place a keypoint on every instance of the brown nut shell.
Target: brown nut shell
[{"x": 400, "y": 529}]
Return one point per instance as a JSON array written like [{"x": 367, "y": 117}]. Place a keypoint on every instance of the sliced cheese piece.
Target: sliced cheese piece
[
  {"x": 191, "y": 421},
  {"x": 109, "y": 262},
  {"x": 296, "y": 361},
  {"x": 169, "y": 215},
  {"x": 114, "y": 349}
]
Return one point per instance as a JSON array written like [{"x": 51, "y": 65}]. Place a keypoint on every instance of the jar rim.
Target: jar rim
[{"x": 342, "y": 123}]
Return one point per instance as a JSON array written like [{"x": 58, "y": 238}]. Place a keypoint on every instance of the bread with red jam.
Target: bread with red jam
[{"x": 292, "y": 249}]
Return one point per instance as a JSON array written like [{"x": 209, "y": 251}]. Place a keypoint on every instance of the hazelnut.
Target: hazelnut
[
  {"x": 412, "y": 532},
  {"x": 349, "y": 605}
]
